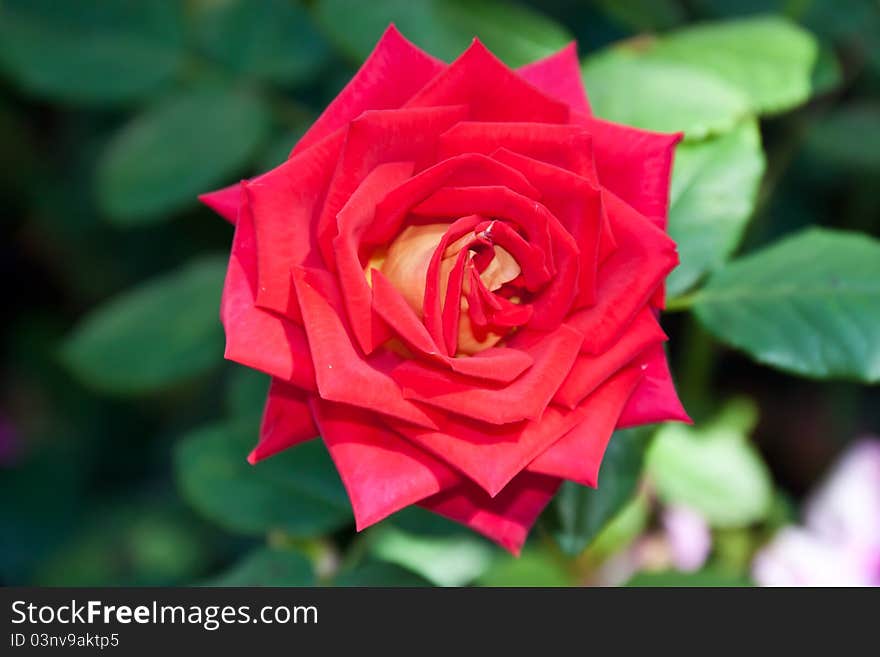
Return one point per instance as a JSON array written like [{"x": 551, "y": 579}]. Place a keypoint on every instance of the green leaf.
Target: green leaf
[
  {"x": 246, "y": 393},
  {"x": 713, "y": 469},
  {"x": 809, "y": 304},
  {"x": 849, "y": 137},
  {"x": 516, "y": 34},
  {"x": 278, "y": 147},
  {"x": 155, "y": 335},
  {"x": 130, "y": 544},
  {"x": 297, "y": 491},
  {"x": 445, "y": 561},
  {"x": 531, "y": 568},
  {"x": 714, "y": 189},
  {"x": 641, "y": 15},
  {"x": 769, "y": 58},
  {"x": 268, "y": 567},
  {"x": 625, "y": 526},
  {"x": 583, "y": 512},
  {"x": 375, "y": 573},
  {"x": 416, "y": 520},
  {"x": 665, "y": 96},
  {"x": 179, "y": 148},
  {"x": 272, "y": 40},
  {"x": 91, "y": 51},
  {"x": 703, "y": 578},
  {"x": 827, "y": 73},
  {"x": 18, "y": 157}
]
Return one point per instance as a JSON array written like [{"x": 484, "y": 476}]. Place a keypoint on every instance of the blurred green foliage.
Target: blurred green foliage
[
  {"x": 122, "y": 431},
  {"x": 713, "y": 469}
]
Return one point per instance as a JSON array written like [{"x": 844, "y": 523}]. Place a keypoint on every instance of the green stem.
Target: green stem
[
  {"x": 696, "y": 368},
  {"x": 681, "y": 303}
]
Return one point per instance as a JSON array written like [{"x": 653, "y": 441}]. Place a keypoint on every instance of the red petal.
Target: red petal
[
  {"x": 659, "y": 298},
  {"x": 452, "y": 302},
  {"x": 342, "y": 374},
  {"x": 224, "y": 201},
  {"x": 255, "y": 337},
  {"x": 353, "y": 219},
  {"x": 398, "y": 314},
  {"x": 567, "y": 146},
  {"x": 491, "y": 455},
  {"x": 559, "y": 76},
  {"x": 287, "y": 421},
  {"x": 577, "y": 204},
  {"x": 555, "y": 301},
  {"x": 285, "y": 204},
  {"x": 492, "y": 201},
  {"x": 523, "y": 399},
  {"x": 505, "y": 518},
  {"x": 432, "y": 306},
  {"x": 394, "y": 71},
  {"x": 466, "y": 170},
  {"x": 590, "y": 370},
  {"x": 491, "y": 90},
  {"x": 374, "y": 138},
  {"x": 655, "y": 399},
  {"x": 634, "y": 164},
  {"x": 643, "y": 258},
  {"x": 578, "y": 454},
  {"x": 495, "y": 364},
  {"x": 381, "y": 472}
]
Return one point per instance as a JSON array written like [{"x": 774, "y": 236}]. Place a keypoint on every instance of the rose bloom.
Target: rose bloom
[{"x": 454, "y": 280}]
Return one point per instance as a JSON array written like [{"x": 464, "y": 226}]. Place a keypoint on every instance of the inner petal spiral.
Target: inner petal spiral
[{"x": 473, "y": 262}]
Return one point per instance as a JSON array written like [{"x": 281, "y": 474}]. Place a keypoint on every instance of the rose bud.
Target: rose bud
[{"x": 455, "y": 281}]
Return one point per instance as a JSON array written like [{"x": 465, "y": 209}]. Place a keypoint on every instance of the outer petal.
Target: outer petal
[
  {"x": 491, "y": 455},
  {"x": 284, "y": 205},
  {"x": 628, "y": 278},
  {"x": 590, "y": 370},
  {"x": 394, "y": 71},
  {"x": 491, "y": 90},
  {"x": 505, "y": 518},
  {"x": 634, "y": 164},
  {"x": 341, "y": 373},
  {"x": 655, "y": 399},
  {"x": 524, "y": 398},
  {"x": 566, "y": 146},
  {"x": 255, "y": 337},
  {"x": 578, "y": 454},
  {"x": 374, "y": 138},
  {"x": 287, "y": 421},
  {"x": 224, "y": 201},
  {"x": 382, "y": 473},
  {"x": 559, "y": 76}
]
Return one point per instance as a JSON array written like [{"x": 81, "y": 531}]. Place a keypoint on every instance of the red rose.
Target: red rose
[{"x": 455, "y": 280}]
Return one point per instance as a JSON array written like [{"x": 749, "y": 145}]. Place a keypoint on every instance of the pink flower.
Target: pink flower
[
  {"x": 840, "y": 543},
  {"x": 689, "y": 537}
]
